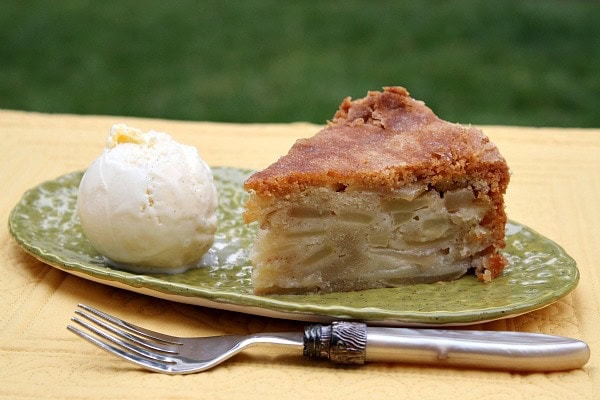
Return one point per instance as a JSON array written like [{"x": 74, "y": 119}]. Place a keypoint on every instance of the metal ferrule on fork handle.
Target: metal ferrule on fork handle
[{"x": 341, "y": 342}]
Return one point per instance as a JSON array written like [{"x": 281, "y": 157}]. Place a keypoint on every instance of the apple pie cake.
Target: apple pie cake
[{"x": 386, "y": 194}]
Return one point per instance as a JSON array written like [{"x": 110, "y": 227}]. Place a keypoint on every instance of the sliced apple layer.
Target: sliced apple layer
[{"x": 323, "y": 240}]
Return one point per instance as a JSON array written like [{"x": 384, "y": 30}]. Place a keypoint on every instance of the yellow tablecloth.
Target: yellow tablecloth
[{"x": 555, "y": 189}]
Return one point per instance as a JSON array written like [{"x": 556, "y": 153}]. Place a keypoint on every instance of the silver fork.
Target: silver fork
[{"x": 341, "y": 342}]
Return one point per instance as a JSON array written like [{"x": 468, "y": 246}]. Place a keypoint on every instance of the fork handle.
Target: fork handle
[{"x": 355, "y": 343}]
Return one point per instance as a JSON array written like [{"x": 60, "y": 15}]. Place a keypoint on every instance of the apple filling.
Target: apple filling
[{"x": 324, "y": 240}]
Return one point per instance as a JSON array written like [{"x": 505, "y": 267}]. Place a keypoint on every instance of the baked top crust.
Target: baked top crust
[{"x": 383, "y": 142}]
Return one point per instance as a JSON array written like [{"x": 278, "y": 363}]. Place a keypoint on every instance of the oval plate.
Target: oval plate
[{"x": 45, "y": 224}]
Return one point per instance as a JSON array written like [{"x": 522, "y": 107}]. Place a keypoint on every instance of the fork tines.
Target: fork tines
[{"x": 140, "y": 346}]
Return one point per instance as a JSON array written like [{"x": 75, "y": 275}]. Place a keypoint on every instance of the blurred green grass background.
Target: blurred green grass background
[{"x": 511, "y": 62}]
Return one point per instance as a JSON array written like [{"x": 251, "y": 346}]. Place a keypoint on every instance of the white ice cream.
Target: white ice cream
[{"x": 148, "y": 203}]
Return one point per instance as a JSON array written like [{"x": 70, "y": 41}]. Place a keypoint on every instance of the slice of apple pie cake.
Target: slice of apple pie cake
[{"x": 386, "y": 194}]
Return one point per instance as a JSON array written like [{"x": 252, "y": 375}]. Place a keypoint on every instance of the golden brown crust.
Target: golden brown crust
[{"x": 385, "y": 141}]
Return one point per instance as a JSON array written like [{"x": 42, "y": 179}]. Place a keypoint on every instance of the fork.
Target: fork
[{"x": 342, "y": 342}]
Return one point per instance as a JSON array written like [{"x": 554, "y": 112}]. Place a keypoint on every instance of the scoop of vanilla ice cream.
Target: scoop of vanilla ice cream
[{"x": 148, "y": 203}]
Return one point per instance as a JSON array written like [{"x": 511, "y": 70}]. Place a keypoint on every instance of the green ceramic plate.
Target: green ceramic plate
[{"x": 46, "y": 225}]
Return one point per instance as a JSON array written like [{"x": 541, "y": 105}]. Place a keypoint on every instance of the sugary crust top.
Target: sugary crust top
[{"x": 384, "y": 141}]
